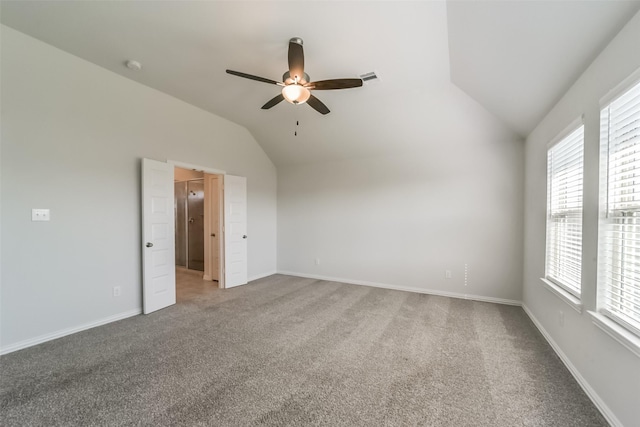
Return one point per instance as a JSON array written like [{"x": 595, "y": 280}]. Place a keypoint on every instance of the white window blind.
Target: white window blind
[
  {"x": 619, "y": 240},
  {"x": 564, "y": 212}
]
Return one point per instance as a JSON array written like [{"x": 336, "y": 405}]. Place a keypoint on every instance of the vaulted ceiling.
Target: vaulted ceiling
[
  {"x": 519, "y": 57},
  {"x": 434, "y": 60}
]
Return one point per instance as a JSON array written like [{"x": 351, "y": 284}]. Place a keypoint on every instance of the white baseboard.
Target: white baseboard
[
  {"x": 261, "y": 275},
  {"x": 59, "y": 334},
  {"x": 405, "y": 288},
  {"x": 597, "y": 401}
]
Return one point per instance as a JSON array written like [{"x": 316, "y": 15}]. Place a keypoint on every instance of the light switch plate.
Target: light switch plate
[{"x": 40, "y": 215}]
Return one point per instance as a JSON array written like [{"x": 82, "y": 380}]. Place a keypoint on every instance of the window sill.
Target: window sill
[
  {"x": 617, "y": 332},
  {"x": 571, "y": 300}
]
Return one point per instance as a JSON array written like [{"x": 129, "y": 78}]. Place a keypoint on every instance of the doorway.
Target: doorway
[
  {"x": 189, "y": 220},
  {"x": 198, "y": 233},
  {"x": 224, "y": 237}
]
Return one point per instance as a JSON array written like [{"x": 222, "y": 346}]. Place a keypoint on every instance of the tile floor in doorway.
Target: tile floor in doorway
[{"x": 190, "y": 286}]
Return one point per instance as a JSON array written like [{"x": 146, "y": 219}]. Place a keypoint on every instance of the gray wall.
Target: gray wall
[
  {"x": 73, "y": 135},
  {"x": 605, "y": 367},
  {"x": 403, "y": 220}
]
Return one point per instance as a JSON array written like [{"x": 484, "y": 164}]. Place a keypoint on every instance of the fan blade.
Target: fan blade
[
  {"x": 317, "y": 105},
  {"x": 275, "y": 101},
  {"x": 252, "y": 77},
  {"x": 334, "y": 84},
  {"x": 296, "y": 59}
]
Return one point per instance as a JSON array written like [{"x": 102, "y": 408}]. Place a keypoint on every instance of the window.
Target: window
[
  {"x": 619, "y": 240},
  {"x": 564, "y": 212}
]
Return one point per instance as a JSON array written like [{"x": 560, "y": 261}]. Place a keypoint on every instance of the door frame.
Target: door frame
[{"x": 207, "y": 228}]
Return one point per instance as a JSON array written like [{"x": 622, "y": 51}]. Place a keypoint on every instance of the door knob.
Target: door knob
[
  {"x": 191, "y": 220},
  {"x": 149, "y": 245},
  {"x": 213, "y": 234},
  {"x": 244, "y": 236}
]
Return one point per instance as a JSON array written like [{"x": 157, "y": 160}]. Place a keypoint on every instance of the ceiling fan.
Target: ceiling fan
[{"x": 296, "y": 84}]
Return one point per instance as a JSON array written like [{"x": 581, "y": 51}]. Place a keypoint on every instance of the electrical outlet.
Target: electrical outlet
[
  {"x": 117, "y": 291},
  {"x": 447, "y": 274},
  {"x": 317, "y": 261}
]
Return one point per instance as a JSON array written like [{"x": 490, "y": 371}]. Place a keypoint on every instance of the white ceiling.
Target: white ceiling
[
  {"x": 518, "y": 57},
  {"x": 501, "y": 54}
]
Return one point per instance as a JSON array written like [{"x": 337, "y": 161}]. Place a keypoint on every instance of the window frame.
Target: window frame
[
  {"x": 608, "y": 215},
  {"x": 571, "y": 295}
]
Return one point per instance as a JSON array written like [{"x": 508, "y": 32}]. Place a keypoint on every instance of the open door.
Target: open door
[
  {"x": 158, "y": 261},
  {"x": 235, "y": 224},
  {"x": 213, "y": 228}
]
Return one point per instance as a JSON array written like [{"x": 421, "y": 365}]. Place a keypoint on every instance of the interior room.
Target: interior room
[
  {"x": 189, "y": 199},
  {"x": 320, "y": 213}
]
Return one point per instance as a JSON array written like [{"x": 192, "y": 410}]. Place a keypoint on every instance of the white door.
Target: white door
[
  {"x": 158, "y": 234},
  {"x": 235, "y": 225}
]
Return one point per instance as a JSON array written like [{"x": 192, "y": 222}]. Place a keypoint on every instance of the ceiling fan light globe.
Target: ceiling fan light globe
[{"x": 296, "y": 94}]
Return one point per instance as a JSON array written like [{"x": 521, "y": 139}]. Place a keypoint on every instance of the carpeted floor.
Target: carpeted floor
[{"x": 286, "y": 351}]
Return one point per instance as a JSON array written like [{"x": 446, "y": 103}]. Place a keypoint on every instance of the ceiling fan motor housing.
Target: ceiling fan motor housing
[
  {"x": 286, "y": 79},
  {"x": 296, "y": 40}
]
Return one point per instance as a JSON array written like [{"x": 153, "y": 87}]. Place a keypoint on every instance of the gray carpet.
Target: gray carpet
[{"x": 291, "y": 351}]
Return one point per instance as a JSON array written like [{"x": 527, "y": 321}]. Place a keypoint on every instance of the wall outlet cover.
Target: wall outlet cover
[{"x": 40, "y": 215}]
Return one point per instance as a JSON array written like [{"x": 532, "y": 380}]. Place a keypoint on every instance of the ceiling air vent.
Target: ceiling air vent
[{"x": 369, "y": 77}]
